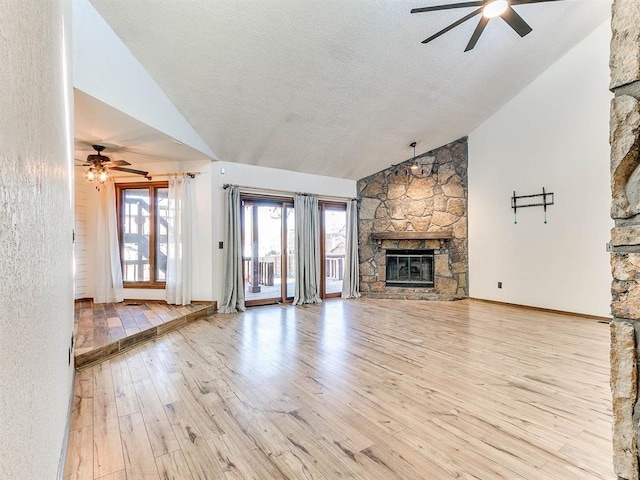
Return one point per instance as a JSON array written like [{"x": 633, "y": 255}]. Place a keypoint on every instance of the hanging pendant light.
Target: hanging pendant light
[{"x": 414, "y": 164}]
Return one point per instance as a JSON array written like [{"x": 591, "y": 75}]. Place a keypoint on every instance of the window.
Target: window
[{"x": 142, "y": 229}]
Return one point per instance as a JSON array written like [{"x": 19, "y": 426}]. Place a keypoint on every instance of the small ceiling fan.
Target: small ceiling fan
[
  {"x": 99, "y": 166},
  {"x": 489, "y": 9}
]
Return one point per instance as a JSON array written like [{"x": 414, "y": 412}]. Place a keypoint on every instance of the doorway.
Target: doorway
[
  {"x": 333, "y": 227},
  {"x": 268, "y": 251}
]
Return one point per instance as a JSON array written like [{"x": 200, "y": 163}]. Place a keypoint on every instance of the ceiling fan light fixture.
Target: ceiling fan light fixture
[
  {"x": 494, "y": 8},
  {"x": 103, "y": 175},
  {"x": 90, "y": 174}
]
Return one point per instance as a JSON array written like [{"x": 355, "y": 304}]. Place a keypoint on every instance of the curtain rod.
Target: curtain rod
[
  {"x": 153, "y": 175},
  {"x": 282, "y": 193},
  {"x": 188, "y": 174}
]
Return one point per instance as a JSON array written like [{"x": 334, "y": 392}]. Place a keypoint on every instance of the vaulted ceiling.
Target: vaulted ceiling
[{"x": 337, "y": 87}]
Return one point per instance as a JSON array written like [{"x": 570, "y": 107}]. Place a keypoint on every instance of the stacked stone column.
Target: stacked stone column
[{"x": 625, "y": 236}]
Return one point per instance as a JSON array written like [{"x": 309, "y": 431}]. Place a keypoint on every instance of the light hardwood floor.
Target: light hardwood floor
[{"x": 339, "y": 391}]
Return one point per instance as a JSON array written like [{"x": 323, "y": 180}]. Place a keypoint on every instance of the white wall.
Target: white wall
[
  {"x": 265, "y": 178},
  {"x": 36, "y": 223},
  {"x": 554, "y": 134},
  {"x": 83, "y": 253}
]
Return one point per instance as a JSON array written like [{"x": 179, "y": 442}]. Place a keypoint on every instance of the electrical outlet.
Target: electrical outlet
[
  {"x": 220, "y": 245},
  {"x": 499, "y": 284}
]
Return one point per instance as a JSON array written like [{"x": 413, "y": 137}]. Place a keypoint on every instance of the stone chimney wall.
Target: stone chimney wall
[
  {"x": 625, "y": 236},
  {"x": 431, "y": 198}
]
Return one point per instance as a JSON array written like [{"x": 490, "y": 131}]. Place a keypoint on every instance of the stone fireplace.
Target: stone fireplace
[{"x": 405, "y": 212}]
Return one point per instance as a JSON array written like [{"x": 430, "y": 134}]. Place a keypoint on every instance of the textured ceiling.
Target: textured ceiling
[{"x": 337, "y": 87}]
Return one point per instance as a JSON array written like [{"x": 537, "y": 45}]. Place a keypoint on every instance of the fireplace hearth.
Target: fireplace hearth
[{"x": 409, "y": 268}]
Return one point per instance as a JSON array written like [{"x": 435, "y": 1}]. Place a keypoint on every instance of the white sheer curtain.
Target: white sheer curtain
[
  {"x": 307, "y": 243},
  {"x": 180, "y": 240},
  {"x": 108, "y": 277},
  {"x": 233, "y": 294},
  {"x": 351, "y": 279}
]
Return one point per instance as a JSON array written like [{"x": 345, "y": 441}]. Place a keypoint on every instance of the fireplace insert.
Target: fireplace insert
[{"x": 409, "y": 268}]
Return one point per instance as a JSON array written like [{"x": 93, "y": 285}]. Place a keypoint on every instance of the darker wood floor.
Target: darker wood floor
[{"x": 100, "y": 328}]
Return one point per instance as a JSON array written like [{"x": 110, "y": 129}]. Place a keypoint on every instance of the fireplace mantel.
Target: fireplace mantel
[{"x": 442, "y": 236}]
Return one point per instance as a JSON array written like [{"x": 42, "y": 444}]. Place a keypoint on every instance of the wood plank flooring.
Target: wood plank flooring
[{"x": 337, "y": 390}]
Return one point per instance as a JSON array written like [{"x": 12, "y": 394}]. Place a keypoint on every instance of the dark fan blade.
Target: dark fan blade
[
  {"x": 446, "y": 7},
  {"x": 117, "y": 163},
  {"x": 476, "y": 33},
  {"x": 516, "y": 22},
  {"x": 130, "y": 170},
  {"x": 453, "y": 25}
]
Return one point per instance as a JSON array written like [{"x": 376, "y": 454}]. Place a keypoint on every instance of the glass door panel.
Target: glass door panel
[
  {"x": 162, "y": 233},
  {"x": 262, "y": 252},
  {"x": 290, "y": 264},
  {"x": 335, "y": 239}
]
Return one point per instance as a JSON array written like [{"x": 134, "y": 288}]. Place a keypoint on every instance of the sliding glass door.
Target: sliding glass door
[
  {"x": 268, "y": 251},
  {"x": 334, "y": 240},
  {"x": 290, "y": 247}
]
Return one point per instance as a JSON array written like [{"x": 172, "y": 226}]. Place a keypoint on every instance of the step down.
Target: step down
[{"x": 105, "y": 352}]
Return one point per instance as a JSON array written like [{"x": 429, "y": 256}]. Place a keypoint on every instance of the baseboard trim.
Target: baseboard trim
[
  {"x": 141, "y": 300},
  {"x": 541, "y": 309},
  {"x": 65, "y": 440}
]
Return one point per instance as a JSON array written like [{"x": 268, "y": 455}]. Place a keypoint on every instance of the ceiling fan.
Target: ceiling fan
[
  {"x": 99, "y": 166},
  {"x": 489, "y": 9}
]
